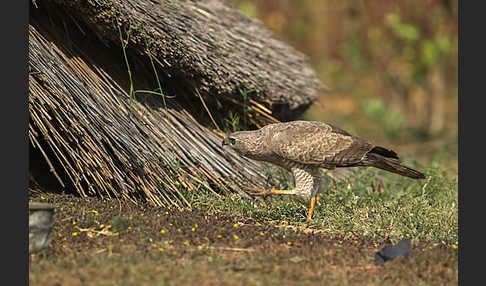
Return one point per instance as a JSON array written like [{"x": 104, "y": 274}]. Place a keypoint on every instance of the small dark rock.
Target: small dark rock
[{"x": 402, "y": 249}]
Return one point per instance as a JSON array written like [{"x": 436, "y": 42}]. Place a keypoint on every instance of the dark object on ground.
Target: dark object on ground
[
  {"x": 40, "y": 225},
  {"x": 402, "y": 249}
]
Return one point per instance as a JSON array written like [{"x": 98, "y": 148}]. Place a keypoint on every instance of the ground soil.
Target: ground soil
[{"x": 108, "y": 242}]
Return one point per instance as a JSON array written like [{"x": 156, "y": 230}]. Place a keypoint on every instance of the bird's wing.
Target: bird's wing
[{"x": 317, "y": 144}]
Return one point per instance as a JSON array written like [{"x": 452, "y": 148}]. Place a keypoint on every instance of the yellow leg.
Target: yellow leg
[
  {"x": 261, "y": 192},
  {"x": 311, "y": 207},
  {"x": 282, "y": 192}
]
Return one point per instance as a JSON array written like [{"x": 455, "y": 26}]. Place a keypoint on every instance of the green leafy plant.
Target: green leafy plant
[{"x": 244, "y": 93}]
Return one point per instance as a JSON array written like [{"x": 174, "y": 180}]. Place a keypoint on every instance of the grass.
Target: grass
[
  {"x": 235, "y": 241},
  {"x": 388, "y": 207},
  {"x": 124, "y": 44}
]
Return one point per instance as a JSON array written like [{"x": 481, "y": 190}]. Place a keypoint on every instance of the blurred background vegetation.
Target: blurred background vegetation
[{"x": 391, "y": 67}]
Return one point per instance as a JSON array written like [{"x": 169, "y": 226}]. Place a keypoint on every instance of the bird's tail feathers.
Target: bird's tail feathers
[{"x": 391, "y": 165}]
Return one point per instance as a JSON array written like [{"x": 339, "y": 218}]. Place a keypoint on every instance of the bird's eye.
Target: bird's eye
[{"x": 232, "y": 141}]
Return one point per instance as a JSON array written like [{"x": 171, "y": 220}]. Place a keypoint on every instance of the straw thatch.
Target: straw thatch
[
  {"x": 211, "y": 45},
  {"x": 96, "y": 140}
]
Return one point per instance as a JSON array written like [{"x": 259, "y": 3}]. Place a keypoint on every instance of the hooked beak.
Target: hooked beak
[
  {"x": 224, "y": 142},
  {"x": 225, "y": 139}
]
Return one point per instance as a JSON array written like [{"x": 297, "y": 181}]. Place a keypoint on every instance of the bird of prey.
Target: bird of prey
[{"x": 303, "y": 147}]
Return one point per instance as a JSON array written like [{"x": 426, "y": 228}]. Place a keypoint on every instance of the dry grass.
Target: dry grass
[{"x": 96, "y": 140}]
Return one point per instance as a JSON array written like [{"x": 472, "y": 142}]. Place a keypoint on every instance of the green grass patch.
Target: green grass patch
[{"x": 374, "y": 204}]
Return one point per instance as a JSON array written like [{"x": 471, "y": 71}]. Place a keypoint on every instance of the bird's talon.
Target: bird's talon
[{"x": 258, "y": 192}]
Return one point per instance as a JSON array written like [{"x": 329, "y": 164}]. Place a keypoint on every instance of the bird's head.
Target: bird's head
[{"x": 243, "y": 142}]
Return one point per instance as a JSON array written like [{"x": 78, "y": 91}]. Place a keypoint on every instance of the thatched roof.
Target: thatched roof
[
  {"x": 210, "y": 44},
  {"x": 97, "y": 140}
]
